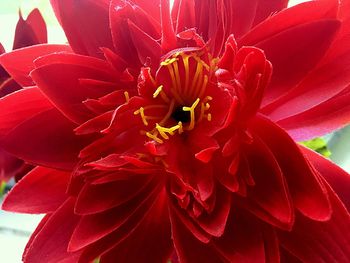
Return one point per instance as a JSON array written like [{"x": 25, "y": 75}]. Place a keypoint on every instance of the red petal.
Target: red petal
[
  {"x": 214, "y": 223},
  {"x": 21, "y": 106},
  {"x": 31, "y": 31},
  {"x": 52, "y": 141},
  {"x": 69, "y": 79},
  {"x": 326, "y": 241},
  {"x": 94, "y": 227},
  {"x": 19, "y": 63},
  {"x": 121, "y": 13},
  {"x": 269, "y": 198},
  {"x": 268, "y": 9},
  {"x": 123, "y": 191},
  {"x": 92, "y": 31},
  {"x": 289, "y": 18},
  {"x": 243, "y": 239},
  {"x": 42, "y": 190},
  {"x": 146, "y": 47},
  {"x": 168, "y": 34},
  {"x": 150, "y": 241},
  {"x": 51, "y": 242},
  {"x": 309, "y": 195},
  {"x": 319, "y": 120},
  {"x": 286, "y": 52},
  {"x": 338, "y": 179},
  {"x": 122, "y": 233},
  {"x": 189, "y": 248},
  {"x": 183, "y": 13}
]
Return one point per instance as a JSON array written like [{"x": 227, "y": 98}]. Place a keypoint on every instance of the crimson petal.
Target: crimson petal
[
  {"x": 19, "y": 63},
  {"x": 50, "y": 243},
  {"x": 20, "y": 106},
  {"x": 94, "y": 227},
  {"x": 309, "y": 195},
  {"x": 286, "y": 52},
  {"x": 243, "y": 239},
  {"x": 68, "y": 80},
  {"x": 188, "y": 247},
  {"x": 334, "y": 175},
  {"x": 269, "y": 198},
  {"x": 92, "y": 31},
  {"x": 150, "y": 241},
  {"x": 31, "y": 31},
  {"x": 326, "y": 241},
  {"x": 42, "y": 190},
  {"x": 52, "y": 141}
]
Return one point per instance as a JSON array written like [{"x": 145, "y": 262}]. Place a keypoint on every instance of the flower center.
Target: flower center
[{"x": 180, "y": 99}]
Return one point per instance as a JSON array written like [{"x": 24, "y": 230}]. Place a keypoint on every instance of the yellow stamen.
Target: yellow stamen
[
  {"x": 126, "y": 95},
  {"x": 192, "y": 113},
  {"x": 209, "y": 117},
  {"x": 141, "y": 111},
  {"x": 158, "y": 90},
  {"x": 168, "y": 61},
  {"x": 154, "y": 137}
]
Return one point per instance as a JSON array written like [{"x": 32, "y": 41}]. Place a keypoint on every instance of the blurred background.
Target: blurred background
[{"x": 15, "y": 229}]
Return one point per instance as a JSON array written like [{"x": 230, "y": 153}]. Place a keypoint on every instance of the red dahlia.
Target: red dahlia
[
  {"x": 161, "y": 134},
  {"x": 28, "y": 32}
]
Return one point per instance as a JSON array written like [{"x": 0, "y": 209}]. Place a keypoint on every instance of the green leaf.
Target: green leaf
[{"x": 319, "y": 145}]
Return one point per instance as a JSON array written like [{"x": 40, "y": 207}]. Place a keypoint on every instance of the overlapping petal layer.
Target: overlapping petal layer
[{"x": 168, "y": 133}]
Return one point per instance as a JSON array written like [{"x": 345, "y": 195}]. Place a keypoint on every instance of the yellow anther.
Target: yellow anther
[
  {"x": 180, "y": 127},
  {"x": 141, "y": 111},
  {"x": 209, "y": 117},
  {"x": 162, "y": 131},
  {"x": 158, "y": 90},
  {"x": 192, "y": 113},
  {"x": 168, "y": 61},
  {"x": 207, "y": 106},
  {"x": 126, "y": 95},
  {"x": 154, "y": 137}
]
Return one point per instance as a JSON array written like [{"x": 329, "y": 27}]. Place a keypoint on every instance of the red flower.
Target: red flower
[
  {"x": 162, "y": 135},
  {"x": 29, "y": 32}
]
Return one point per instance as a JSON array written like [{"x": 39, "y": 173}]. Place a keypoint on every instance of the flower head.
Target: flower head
[{"x": 161, "y": 134}]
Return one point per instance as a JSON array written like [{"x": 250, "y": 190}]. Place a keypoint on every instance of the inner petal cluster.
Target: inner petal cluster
[{"x": 180, "y": 96}]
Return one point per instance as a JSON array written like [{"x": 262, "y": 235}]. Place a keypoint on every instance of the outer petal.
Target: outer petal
[
  {"x": 322, "y": 119},
  {"x": 19, "y": 63},
  {"x": 86, "y": 24},
  {"x": 51, "y": 242},
  {"x": 297, "y": 15},
  {"x": 150, "y": 241},
  {"x": 52, "y": 141},
  {"x": 69, "y": 79},
  {"x": 309, "y": 195},
  {"x": 338, "y": 179},
  {"x": 269, "y": 198},
  {"x": 42, "y": 190},
  {"x": 31, "y": 31},
  {"x": 94, "y": 227},
  {"x": 188, "y": 247},
  {"x": 286, "y": 52},
  {"x": 20, "y": 106},
  {"x": 326, "y": 241}
]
